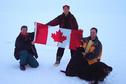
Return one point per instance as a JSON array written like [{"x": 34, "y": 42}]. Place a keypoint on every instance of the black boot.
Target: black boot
[
  {"x": 22, "y": 67},
  {"x": 58, "y": 58},
  {"x": 95, "y": 82}
]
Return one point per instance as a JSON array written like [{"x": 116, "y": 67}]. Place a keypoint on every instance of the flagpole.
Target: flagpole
[{"x": 35, "y": 30}]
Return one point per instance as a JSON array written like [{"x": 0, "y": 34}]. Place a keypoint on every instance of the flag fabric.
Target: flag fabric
[{"x": 55, "y": 36}]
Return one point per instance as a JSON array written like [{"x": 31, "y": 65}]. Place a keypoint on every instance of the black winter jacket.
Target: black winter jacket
[
  {"x": 24, "y": 43},
  {"x": 67, "y": 22}
]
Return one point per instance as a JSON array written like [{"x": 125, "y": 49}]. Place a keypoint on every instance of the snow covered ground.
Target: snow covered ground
[{"x": 109, "y": 16}]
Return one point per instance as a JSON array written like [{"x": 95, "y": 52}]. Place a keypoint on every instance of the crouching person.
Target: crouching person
[
  {"x": 86, "y": 63},
  {"x": 25, "y": 50}
]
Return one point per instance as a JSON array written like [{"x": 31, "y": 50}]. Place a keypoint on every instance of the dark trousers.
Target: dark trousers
[
  {"x": 60, "y": 52},
  {"x": 27, "y": 58}
]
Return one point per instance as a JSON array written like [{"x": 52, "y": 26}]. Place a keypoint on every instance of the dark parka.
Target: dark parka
[
  {"x": 67, "y": 22},
  {"x": 24, "y": 43}
]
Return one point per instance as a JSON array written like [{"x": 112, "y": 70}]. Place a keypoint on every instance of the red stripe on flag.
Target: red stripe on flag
[
  {"x": 41, "y": 33},
  {"x": 75, "y": 39}
]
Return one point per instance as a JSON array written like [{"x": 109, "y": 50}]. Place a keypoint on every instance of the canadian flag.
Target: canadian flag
[{"x": 55, "y": 36}]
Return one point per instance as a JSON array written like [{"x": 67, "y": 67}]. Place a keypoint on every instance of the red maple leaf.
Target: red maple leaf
[{"x": 58, "y": 36}]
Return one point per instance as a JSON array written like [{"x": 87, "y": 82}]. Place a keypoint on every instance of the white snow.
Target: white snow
[{"x": 109, "y": 16}]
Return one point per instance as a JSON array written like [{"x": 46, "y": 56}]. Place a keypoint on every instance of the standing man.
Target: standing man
[
  {"x": 25, "y": 50},
  {"x": 67, "y": 21}
]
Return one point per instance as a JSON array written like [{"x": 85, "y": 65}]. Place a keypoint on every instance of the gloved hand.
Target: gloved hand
[{"x": 89, "y": 56}]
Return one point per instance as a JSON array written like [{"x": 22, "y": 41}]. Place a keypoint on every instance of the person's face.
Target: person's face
[
  {"x": 65, "y": 10},
  {"x": 24, "y": 31},
  {"x": 93, "y": 34}
]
